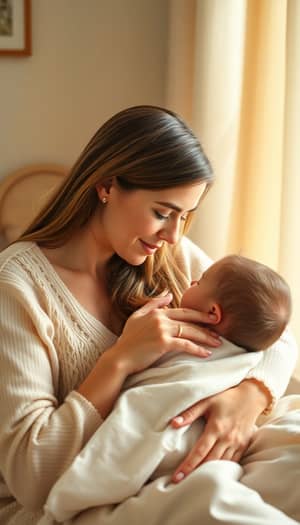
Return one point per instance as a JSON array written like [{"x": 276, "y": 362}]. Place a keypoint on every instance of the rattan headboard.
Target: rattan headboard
[{"x": 22, "y": 194}]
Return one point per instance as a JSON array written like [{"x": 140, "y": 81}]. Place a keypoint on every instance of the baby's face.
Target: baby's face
[{"x": 201, "y": 295}]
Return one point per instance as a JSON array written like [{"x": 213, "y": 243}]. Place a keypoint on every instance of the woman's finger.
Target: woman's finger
[
  {"x": 237, "y": 455},
  {"x": 198, "y": 334},
  {"x": 190, "y": 316},
  {"x": 229, "y": 454},
  {"x": 207, "y": 448},
  {"x": 188, "y": 347},
  {"x": 190, "y": 414},
  {"x": 157, "y": 302},
  {"x": 196, "y": 456},
  {"x": 219, "y": 451}
]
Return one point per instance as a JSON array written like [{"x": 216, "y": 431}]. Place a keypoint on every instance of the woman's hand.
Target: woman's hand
[
  {"x": 154, "y": 330},
  {"x": 149, "y": 333},
  {"x": 230, "y": 418}
]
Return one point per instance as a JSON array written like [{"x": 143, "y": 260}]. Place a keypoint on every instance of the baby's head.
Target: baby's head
[{"x": 251, "y": 302}]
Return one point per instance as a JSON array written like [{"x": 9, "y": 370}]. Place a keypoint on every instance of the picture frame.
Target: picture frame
[{"x": 15, "y": 28}]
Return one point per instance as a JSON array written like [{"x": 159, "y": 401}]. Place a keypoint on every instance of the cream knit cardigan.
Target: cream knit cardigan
[{"x": 49, "y": 343}]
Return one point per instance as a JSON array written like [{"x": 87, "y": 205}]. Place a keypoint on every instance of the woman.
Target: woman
[{"x": 82, "y": 275}]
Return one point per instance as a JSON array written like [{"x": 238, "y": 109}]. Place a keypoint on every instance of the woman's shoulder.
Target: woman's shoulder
[
  {"x": 14, "y": 252},
  {"x": 192, "y": 260},
  {"x": 23, "y": 276},
  {"x": 18, "y": 263}
]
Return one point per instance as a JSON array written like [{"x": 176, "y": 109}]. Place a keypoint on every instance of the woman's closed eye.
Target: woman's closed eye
[{"x": 162, "y": 217}]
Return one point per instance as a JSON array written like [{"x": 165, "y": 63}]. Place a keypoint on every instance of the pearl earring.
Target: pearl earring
[{"x": 104, "y": 200}]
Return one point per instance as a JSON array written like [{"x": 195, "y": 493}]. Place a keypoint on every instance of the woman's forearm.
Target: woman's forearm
[{"x": 103, "y": 385}]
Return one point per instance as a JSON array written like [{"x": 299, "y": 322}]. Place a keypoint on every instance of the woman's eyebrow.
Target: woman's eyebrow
[{"x": 173, "y": 206}]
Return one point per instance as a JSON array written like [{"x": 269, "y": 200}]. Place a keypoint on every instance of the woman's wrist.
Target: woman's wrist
[
  {"x": 119, "y": 360},
  {"x": 261, "y": 395},
  {"x": 103, "y": 384}
]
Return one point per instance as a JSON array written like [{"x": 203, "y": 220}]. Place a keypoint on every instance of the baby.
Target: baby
[
  {"x": 251, "y": 302},
  {"x": 135, "y": 443}
]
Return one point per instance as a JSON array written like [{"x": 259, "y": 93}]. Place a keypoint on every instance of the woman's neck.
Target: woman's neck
[
  {"x": 81, "y": 264},
  {"x": 82, "y": 253}
]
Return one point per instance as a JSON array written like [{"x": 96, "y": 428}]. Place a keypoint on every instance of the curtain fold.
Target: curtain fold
[
  {"x": 234, "y": 75},
  {"x": 289, "y": 243},
  {"x": 181, "y": 50}
]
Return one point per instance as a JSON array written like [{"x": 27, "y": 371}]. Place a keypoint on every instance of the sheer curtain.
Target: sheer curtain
[{"x": 234, "y": 75}]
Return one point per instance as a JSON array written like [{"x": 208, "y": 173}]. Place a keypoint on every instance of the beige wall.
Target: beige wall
[{"x": 90, "y": 59}]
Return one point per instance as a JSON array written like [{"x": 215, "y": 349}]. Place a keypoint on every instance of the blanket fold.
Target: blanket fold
[{"x": 129, "y": 459}]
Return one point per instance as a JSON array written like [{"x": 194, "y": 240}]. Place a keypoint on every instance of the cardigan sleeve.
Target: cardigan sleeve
[
  {"x": 38, "y": 437},
  {"x": 278, "y": 362}
]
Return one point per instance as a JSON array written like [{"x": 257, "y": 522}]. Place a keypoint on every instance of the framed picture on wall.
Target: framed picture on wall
[{"x": 15, "y": 27}]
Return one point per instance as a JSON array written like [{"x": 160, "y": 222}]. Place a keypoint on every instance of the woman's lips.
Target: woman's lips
[{"x": 149, "y": 248}]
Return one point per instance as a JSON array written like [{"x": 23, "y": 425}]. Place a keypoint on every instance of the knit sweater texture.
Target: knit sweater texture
[{"x": 49, "y": 343}]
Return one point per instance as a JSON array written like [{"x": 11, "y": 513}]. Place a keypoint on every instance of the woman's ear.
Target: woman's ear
[
  {"x": 216, "y": 309},
  {"x": 103, "y": 189},
  {"x": 101, "y": 192}
]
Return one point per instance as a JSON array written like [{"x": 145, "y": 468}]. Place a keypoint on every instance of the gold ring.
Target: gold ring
[{"x": 179, "y": 333}]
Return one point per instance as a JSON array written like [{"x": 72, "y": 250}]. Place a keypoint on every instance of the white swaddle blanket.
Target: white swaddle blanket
[{"x": 136, "y": 444}]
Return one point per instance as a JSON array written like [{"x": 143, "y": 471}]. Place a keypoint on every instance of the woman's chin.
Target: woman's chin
[
  {"x": 135, "y": 260},
  {"x": 138, "y": 261}
]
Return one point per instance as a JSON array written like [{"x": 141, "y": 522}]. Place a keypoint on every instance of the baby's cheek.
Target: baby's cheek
[{"x": 188, "y": 300}]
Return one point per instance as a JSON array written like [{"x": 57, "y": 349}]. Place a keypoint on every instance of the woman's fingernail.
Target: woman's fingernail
[
  {"x": 212, "y": 316},
  {"x": 179, "y": 476},
  {"x": 178, "y": 419},
  {"x": 203, "y": 352}
]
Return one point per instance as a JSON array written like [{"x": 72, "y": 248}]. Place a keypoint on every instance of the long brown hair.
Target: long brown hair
[{"x": 143, "y": 147}]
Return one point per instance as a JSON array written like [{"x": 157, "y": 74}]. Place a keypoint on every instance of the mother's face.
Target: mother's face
[{"x": 136, "y": 223}]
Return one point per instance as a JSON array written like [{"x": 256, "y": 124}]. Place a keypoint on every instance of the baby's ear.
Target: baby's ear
[{"x": 216, "y": 309}]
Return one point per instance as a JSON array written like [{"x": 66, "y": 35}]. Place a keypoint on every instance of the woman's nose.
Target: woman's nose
[{"x": 170, "y": 233}]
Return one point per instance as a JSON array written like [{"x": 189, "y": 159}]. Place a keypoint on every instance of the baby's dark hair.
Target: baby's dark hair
[{"x": 255, "y": 300}]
